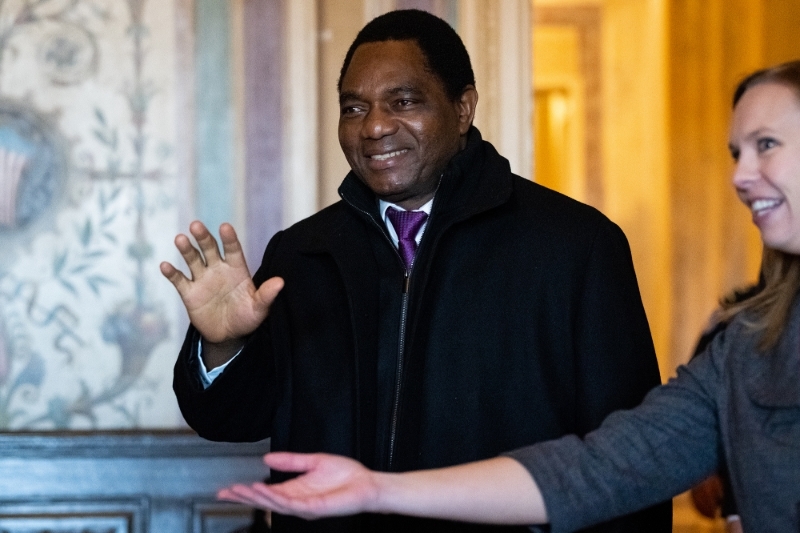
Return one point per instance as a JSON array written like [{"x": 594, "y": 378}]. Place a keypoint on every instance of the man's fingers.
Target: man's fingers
[
  {"x": 210, "y": 248},
  {"x": 231, "y": 246},
  {"x": 175, "y": 277},
  {"x": 168, "y": 270},
  {"x": 190, "y": 255},
  {"x": 206, "y": 242}
]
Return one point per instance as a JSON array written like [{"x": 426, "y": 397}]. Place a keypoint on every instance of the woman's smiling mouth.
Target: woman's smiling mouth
[{"x": 762, "y": 206}]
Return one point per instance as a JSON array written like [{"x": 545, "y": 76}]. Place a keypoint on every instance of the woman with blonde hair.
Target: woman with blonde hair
[{"x": 737, "y": 404}]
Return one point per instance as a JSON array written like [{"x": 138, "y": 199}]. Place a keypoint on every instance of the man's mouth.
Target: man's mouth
[{"x": 384, "y": 157}]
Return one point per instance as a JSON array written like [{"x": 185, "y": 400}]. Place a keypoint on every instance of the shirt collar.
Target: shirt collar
[{"x": 383, "y": 206}]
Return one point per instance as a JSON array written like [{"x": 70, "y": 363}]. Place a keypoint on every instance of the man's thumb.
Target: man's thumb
[{"x": 268, "y": 291}]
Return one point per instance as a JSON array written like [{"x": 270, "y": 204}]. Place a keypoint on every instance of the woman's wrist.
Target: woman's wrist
[{"x": 389, "y": 495}]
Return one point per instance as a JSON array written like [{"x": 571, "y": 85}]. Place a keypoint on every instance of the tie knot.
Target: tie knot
[{"x": 406, "y": 223}]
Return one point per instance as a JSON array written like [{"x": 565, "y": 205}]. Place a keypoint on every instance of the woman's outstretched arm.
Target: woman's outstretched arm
[{"x": 498, "y": 491}]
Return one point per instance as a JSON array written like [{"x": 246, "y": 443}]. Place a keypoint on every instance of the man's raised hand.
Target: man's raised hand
[{"x": 222, "y": 302}]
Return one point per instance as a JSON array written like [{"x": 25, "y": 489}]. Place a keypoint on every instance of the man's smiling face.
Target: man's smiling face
[{"x": 397, "y": 127}]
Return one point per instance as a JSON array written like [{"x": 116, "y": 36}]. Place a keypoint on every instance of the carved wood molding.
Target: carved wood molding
[{"x": 121, "y": 444}]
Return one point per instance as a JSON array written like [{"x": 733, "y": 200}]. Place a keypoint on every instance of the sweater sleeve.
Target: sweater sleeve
[{"x": 637, "y": 457}]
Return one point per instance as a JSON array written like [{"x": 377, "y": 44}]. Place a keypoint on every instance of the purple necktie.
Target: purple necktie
[{"x": 407, "y": 225}]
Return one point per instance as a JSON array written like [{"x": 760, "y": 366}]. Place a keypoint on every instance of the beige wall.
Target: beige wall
[
  {"x": 337, "y": 29},
  {"x": 497, "y": 36}
]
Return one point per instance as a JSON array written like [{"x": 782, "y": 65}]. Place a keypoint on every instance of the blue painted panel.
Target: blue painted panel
[{"x": 214, "y": 114}]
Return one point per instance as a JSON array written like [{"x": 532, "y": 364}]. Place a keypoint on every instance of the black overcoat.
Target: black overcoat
[{"x": 521, "y": 321}]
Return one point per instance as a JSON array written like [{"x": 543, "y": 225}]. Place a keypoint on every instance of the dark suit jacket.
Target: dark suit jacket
[{"x": 522, "y": 322}]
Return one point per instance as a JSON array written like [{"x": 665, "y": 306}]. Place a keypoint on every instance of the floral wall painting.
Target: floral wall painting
[{"x": 89, "y": 204}]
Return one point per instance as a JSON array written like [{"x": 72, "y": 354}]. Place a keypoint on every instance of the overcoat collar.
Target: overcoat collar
[
  {"x": 475, "y": 180},
  {"x": 773, "y": 378}
]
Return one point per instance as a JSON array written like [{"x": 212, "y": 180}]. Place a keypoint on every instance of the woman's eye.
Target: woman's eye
[{"x": 766, "y": 143}]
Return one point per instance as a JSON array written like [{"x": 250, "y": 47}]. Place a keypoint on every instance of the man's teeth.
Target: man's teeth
[
  {"x": 761, "y": 205},
  {"x": 384, "y": 157}
]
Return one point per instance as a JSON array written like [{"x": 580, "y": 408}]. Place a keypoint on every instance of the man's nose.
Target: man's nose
[{"x": 378, "y": 123}]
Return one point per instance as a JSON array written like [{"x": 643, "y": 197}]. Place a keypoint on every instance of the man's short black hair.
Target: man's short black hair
[{"x": 444, "y": 52}]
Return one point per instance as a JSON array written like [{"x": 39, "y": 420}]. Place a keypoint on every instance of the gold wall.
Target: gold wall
[
  {"x": 713, "y": 44},
  {"x": 633, "y": 100},
  {"x": 643, "y": 89},
  {"x": 616, "y": 98}
]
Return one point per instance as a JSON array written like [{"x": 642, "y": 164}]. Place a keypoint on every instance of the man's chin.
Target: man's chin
[{"x": 386, "y": 189}]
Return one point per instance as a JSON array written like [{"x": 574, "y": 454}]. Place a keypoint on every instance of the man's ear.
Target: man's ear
[{"x": 465, "y": 107}]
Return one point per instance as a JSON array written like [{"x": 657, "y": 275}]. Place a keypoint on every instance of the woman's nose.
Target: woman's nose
[{"x": 746, "y": 171}]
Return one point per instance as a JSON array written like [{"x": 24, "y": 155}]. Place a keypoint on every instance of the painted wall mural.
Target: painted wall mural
[{"x": 88, "y": 207}]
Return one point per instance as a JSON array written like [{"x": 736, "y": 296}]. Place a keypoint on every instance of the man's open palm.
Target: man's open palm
[{"x": 222, "y": 302}]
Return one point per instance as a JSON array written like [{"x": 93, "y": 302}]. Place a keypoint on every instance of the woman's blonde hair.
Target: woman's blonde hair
[{"x": 768, "y": 311}]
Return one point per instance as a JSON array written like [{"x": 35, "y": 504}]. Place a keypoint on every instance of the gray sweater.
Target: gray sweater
[{"x": 730, "y": 404}]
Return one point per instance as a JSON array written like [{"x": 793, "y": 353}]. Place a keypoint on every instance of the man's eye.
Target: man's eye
[
  {"x": 350, "y": 110},
  {"x": 735, "y": 155},
  {"x": 404, "y": 102},
  {"x": 766, "y": 143}
]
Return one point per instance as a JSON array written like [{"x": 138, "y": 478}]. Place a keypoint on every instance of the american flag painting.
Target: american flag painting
[
  {"x": 12, "y": 164},
  {"x": 15, "y": 155}
]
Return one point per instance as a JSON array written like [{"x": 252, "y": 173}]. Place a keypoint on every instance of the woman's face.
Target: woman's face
[{"x": 765, "y": 143}]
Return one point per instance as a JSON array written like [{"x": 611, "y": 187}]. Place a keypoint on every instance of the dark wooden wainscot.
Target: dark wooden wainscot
[{"x": 159, "y": 482}]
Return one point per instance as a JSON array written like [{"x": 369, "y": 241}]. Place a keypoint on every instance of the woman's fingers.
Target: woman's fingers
[
  {"x": 264, "y": 496},
  {"x": 290, "y": 462}
]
